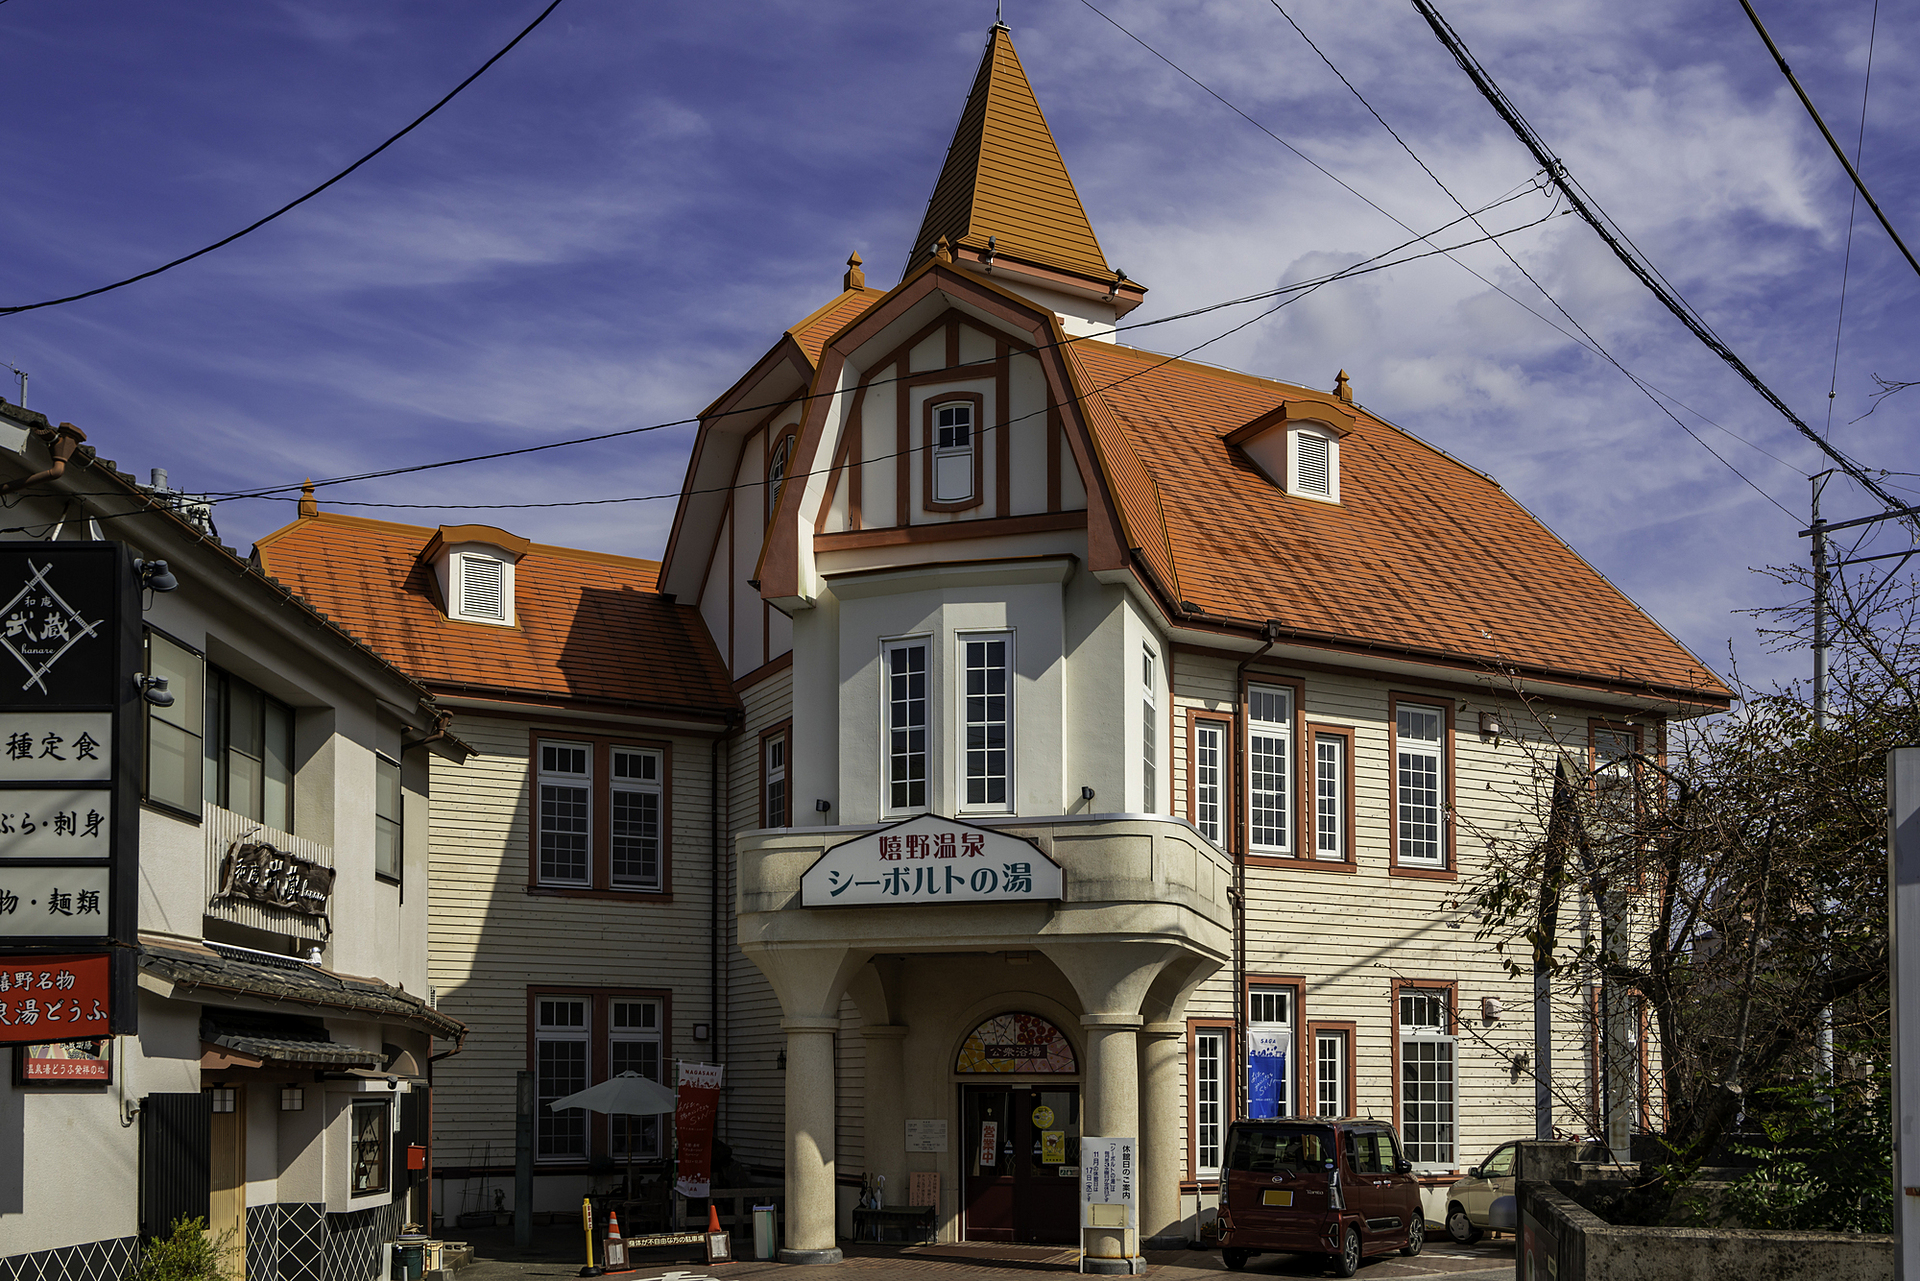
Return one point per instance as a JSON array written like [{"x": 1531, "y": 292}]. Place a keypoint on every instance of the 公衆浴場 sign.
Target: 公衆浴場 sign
[{"x": 931, "y": 861}]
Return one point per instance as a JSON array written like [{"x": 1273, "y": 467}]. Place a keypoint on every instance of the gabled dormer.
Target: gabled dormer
[
  {"x": 473, "y": 567},
  {"x": 1297, "y": 446}
]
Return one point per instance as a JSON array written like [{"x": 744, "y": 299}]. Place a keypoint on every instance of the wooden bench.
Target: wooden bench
[{"x": 914, "y": 1223}]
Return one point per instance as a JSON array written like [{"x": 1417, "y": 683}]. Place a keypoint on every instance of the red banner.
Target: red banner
[
  {"x": 693, "y": 1116},
  {"x": 53, "y": 998}
]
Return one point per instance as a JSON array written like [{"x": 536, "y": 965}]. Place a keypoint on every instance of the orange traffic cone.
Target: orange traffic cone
[{"x": 713, "y": 1217}]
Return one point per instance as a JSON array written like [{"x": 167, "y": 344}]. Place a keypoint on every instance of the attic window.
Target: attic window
[
  {"x": 483, "y": 592},
  {"x": 1313, "y": 474}
]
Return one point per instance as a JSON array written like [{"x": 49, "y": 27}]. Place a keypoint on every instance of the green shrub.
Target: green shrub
[
  {"x": 188, "y": 1253},
  {"x": 1828, "y": 1163}
]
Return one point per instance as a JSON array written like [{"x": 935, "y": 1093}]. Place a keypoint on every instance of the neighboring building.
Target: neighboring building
[
  {"x": 278, "y": 1074},
  {"x": 1260, "y": 671},
  {"x": 579, "y": 857}
]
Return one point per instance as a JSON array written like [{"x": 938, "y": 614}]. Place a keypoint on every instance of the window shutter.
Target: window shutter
[
  {"x": 1316, "y": 464},
  {"x": 482, "y": 587}
]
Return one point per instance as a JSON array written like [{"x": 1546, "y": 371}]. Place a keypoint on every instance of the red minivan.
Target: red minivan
[{"x": 1317, "y": 1185}]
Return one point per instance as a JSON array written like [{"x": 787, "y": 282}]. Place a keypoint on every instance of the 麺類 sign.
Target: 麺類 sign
[
  {"x": 70, "y": 750},
  {"x": 931, "y": 861}
]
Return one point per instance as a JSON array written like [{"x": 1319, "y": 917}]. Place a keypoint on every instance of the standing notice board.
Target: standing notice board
[{"x": 1107, "y": 1183}]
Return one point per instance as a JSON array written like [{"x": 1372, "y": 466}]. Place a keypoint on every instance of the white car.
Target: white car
[{"x": 1470, "y": 1199}]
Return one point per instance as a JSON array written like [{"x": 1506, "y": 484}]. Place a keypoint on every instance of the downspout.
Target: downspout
[
  {"x": 1270, "y": 632},
  {"x": 60, "y": 443},
  {"x": 441, "y": 719}
]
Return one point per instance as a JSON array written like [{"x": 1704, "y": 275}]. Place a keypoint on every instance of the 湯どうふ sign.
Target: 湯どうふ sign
[
  {"x": 931, "y": 861},
  {"x": 53, "y": 998}
]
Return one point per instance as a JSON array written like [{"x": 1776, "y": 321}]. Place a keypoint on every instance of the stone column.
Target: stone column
[
  {"x": 1112, "y": 1111},
  {"x": 810, "y": 1102},
  {"x": 1162, "y": 1046},
  {"x": 886, "y": 1122}
]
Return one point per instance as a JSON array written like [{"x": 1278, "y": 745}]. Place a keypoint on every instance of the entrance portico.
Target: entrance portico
[{"x": 1142, "y": 919}]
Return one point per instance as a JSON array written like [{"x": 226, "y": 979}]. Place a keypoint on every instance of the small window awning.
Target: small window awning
[{"x": 240, "y": 1038}]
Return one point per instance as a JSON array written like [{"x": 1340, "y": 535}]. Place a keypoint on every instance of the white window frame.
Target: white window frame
[
  {"x": 1330, "y": 797},
  {"x": 1209, "y": 779},
  {"x": 924, "y": 644},
  {"x": 1259, "y": 730},
  {"x": 457, "y": 606},
  {"x": 561, "y": 1033},
  {"x": 774, "y": 766},
  {"x": 1296, "y": 473},
  {"x": 646, "y": 1129},
  {"x": 947, "y": 453},
  {"x": 1211, "y": 1087},
  {"x": 1408, "y": 755},
  {"x": 1330, "y": 1072},
  {"x": 648, "y": 781},
  {"x": 1149, "y": 730},
  {"x": 546, "y": 778},
  {"x": 1429, "y": 1063},
  {"x": 963, "y": 723},
  {"x": 1278, "y": 998}
]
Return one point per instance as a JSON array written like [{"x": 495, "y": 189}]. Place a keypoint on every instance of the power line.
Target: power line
[
  {"x": 1858, "y": 183},
  {"x": 1853, "y": 207},
  {"x": 293, "y": 204},
  {"x": 1623, "y": 247}
]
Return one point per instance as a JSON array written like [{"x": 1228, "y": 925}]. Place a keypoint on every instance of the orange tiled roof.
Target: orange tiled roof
[
  {"x": 1422, "y": 552},
  {"x": 589, "y": 627},
  {"x": 829, "y": 319},
  {"x": 1003, "y": 177}
]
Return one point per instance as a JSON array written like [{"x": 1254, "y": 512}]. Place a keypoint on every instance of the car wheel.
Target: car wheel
[
  {"x": 1235, "y": 1259},
  {"x": 1459, "y": 1226},
  {"x": 1416, "y": 1237},
  {"x": 1347, "y": 1262}
]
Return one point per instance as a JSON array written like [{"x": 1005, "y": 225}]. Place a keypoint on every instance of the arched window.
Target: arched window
[
  {"x": 777, "y": 472},
  {"x": 953, "y": 465}
]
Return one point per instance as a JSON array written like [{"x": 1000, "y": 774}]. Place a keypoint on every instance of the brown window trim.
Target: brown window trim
[
  {"x": 1225, "y": 720},
  {"x": 599, "y": 1141},
  {"x": 790, "y": 437},
  {"x": 1298, "y": 984},
  {"x": 1452, "y": 987},
  {"x": 783, "y": 730},
  {"x": 978, "y": 431},
  {"x": 1227, "y": 1108},
  {"x": 1310, "y": 1061},
  {"x": 1242, "y": 761},
  {"x": 1450, "y": 871},
  {"x": 599, "y": 837},
  {"x": 1347, "y": 860}
]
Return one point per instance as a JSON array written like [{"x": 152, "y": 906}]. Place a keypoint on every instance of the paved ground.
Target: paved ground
[{"x": 559, "y": 1252}]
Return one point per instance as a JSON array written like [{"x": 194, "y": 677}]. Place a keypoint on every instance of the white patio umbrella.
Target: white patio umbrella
[{"x": 629, "y": 1095}]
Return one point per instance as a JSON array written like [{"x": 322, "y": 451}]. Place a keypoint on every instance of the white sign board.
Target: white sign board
[
  {"x": 926, "y": 1136},
  {"x": 931, "y": 861},
  {"x": 1106, "y": 1183},
  {"x": 59, "y": 747},
  {"x": 52, "y": 902},
  {"x": 66, "y": 822}
]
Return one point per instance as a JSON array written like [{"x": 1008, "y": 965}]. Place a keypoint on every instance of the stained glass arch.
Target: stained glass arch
[{"x": 1017, "y": 1043}]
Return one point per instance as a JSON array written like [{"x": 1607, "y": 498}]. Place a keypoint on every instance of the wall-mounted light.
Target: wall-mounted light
[
  {"x": 702, "y": 1031},
  {"x": 223, "y": 1098},
  {"x": 153, "y": 689},
  {"x": 821, "y": 807},
  {"x": 781, "y": 1060},
  {"x": 155, "y": 576},
  {"x": 293, "y": 1098},
  {"x": 1086, "y": 793},
  {"x": 1490, "y": 1008},
  {"x": 1491, "y": 725}
]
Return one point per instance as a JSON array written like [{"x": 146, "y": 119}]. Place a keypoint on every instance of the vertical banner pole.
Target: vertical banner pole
[{"x": 524, "y": 1103}]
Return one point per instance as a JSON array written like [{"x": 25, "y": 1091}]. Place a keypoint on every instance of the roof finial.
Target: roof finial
[
  {"x": 943, "y": 251},
  {"x": 855, "y": 278},
  {"x": 309, "y": 507},
  {"x": 999, "y": 22},
  {"x": 1342, "y": 389}
]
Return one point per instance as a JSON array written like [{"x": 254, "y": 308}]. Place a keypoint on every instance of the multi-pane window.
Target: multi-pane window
[
  {"x": 1149, "y": 734},
  {"x": 952, "y": 429},
  {"x": 1427, "y": 1102},
  {"x": 249, "y": 751},
  {"x": 174, "y": 754},
  {"x": 372, "y": 1136},
  {"x": 561, "y": 1033},
  {"x": 566, "y": 813},
  {"x": 634, "y": 819},
  {"x": 389, "y": 826},
  {"x": 1330, "y": 1073},
  {"x": 1209, "y": 775},
  {"x": 1270, "y": 1009},
  {"x": 1209, "y": 1100},
  {"x": 774, "y": 763},
  {"x": 1329, "y": 796},
  {"x": 988, "y": 679},
  {"x": 633, "y": 1045},
  {"x": 1420, "y": 774},
  {"x": 906, "y": 712},
  {"x": 1269, "y": 768},
  {"x": 1613, "y": 773}
]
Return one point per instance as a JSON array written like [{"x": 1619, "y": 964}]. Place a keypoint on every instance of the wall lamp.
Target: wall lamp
[
  {"x": 1086, "y": 793},
  {"x": 781, "y": 1060},
  {"x": 153, "y": 689},
  {"x": 155, "y": 576},
  {"x": 821, "y": 807}
]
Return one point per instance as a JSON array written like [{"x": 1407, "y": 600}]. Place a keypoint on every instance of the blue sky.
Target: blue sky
[{"x": 608, "y": 227}]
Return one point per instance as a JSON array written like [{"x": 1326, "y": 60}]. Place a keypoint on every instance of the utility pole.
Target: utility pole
[{"x": 1819, "y": 532}]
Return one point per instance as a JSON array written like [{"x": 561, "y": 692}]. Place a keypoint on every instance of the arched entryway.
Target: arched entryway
[{"x": 1020, "y": 1127}]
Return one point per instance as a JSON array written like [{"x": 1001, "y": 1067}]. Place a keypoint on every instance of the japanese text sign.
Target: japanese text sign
[
  {"x": 54, "y": 747},
  {"x": 697, "y": 1104},
  {"x": 51, "y": 902},
  {"x": 1106, "y": 1183},
  {"x": 931, "y": 861},
  {"x": 53, "y": 998}
]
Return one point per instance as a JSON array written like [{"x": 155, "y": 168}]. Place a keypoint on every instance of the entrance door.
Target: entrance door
[
  {"x": 227, "y": 1170},
  {"x": 1021, "y": 1162}
]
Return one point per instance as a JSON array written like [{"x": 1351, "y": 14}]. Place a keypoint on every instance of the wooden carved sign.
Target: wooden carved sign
[{"x": 258, "y": 871}]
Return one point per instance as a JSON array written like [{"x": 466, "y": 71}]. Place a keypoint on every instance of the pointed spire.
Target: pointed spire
[
  {"x": 1342, "y": 389},
  {"x": 309, "y": 506},
  {"x": 1004, "y": 178},
  {"x": 855, "y": 278}
]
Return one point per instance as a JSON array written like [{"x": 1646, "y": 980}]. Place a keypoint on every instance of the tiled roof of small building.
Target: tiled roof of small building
[{"x": 588, "y": 627}]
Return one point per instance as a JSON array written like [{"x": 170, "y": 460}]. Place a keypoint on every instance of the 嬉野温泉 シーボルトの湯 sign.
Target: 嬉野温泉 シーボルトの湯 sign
[{"x": 931, "y": 861}]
